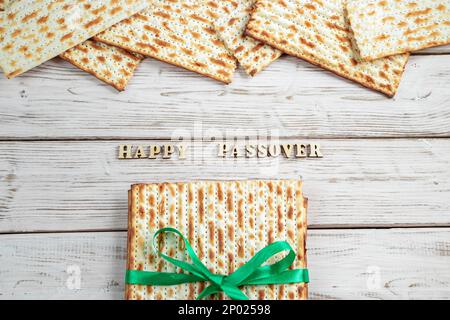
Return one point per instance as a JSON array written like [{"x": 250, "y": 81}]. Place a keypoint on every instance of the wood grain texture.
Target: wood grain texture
[
  {"x": 58, "y": 186},
  {"x": 47, "y": 186},
  {"x": 291, "y": 97},
  {"x": 344, "y": 264},
  {"x": 434, "y": 50}
]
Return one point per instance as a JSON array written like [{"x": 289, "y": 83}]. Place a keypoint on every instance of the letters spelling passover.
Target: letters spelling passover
[
  {"x": 225, "y": 150},
  {"x": 296, "y": 150}
]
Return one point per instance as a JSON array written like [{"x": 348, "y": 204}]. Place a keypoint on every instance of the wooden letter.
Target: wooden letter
[
  {"x": 287, "y": 150},
  {"x": 140, "y": 153},
  {"x": 250, "y": 151},
  {"x": 125, "y": 151},
  {"x": 315, "y": 151},
  {"x": 168, "y": 151},
  {"x": 236, "y": 152},
  {"x": 182, "y": 151},
  {"x": 274, "y": 150},
  {"x": 262, "y": 151},
  {"x": 154, "y": 151},
  {"x": 223, "y": 148},
  {"x": 301, "y": 151}
]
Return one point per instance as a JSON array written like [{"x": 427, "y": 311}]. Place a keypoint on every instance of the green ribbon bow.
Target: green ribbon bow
[{"x": 251, "y": 273}]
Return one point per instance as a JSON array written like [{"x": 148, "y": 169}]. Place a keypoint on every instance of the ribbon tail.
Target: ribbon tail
[
  {"x": 159, "y": 278},
  {"x": 209, "y": 291}
]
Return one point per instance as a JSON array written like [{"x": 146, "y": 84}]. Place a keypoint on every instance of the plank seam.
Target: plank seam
[
  {"x": 325, "y": 227},
  {"x": 112, "y": 139}
]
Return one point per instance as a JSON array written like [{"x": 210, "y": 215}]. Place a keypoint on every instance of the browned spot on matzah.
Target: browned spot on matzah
[
  {"x": 201, "y": 206},
  {"x": 230, "y": 201},
  {"x": 221, "y": 239}
]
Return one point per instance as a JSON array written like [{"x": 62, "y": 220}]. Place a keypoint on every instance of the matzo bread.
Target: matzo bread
[
  {"x": 110, "y": 64},
  {"x": 252, "y": 55},
  {"x": 4, "y": 4},
  {"x": 41, "y": 30},
  {"x": 226, "y": 224},
  {"x": 318, "y": 31},
  {"x": 179, "y": 32},
  {"x": 387, "y": 27}
]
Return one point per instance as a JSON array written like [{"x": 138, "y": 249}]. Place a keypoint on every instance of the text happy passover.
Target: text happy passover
[{"x": 224, "y": 150}]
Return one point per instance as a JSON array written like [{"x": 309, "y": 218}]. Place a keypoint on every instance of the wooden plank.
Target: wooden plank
[
  {"x": 292, "y": 98},
  {"x": 344, "y": 264},
  {"x": 434, "y": 50},
  {"x": 48, "y": 186},
  {"x": 410, "y": 264}
]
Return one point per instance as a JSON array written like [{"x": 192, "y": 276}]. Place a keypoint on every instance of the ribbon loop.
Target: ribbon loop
[{"x": 254, "y": 272}]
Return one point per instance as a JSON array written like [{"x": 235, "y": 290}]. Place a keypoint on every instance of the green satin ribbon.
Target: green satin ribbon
[{"x": 251, "y": 273}]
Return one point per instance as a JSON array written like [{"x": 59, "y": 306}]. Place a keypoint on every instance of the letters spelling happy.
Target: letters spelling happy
[{"x": 152, "y": 152}]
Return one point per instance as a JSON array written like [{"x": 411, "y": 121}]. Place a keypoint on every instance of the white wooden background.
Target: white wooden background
[{"x": 379, "y": 217}]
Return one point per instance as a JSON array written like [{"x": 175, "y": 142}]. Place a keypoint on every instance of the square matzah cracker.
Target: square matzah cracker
[
  {"x": 110, "y": 64},
  {"x": 40, "y": 30},
  {"x": 318, "y": 31},
  {"x": 387, "y": 27},
  {"x": 226, "y": 224},
  {"x": 179, "y": 32},
  {"x": 252, "y": 55}
]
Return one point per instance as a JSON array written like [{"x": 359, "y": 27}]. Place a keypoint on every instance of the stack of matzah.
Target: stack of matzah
[
  {"x": 35, "y": 32},
  {"x": 40, "y": 30},
  {"x": 226, "y": 224},
  {"x": 319, "y": 32},
  {"x": 367, "y": 41},
  {"x": 179, "y": 32},
  {"x": 252, "y": 55}
]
